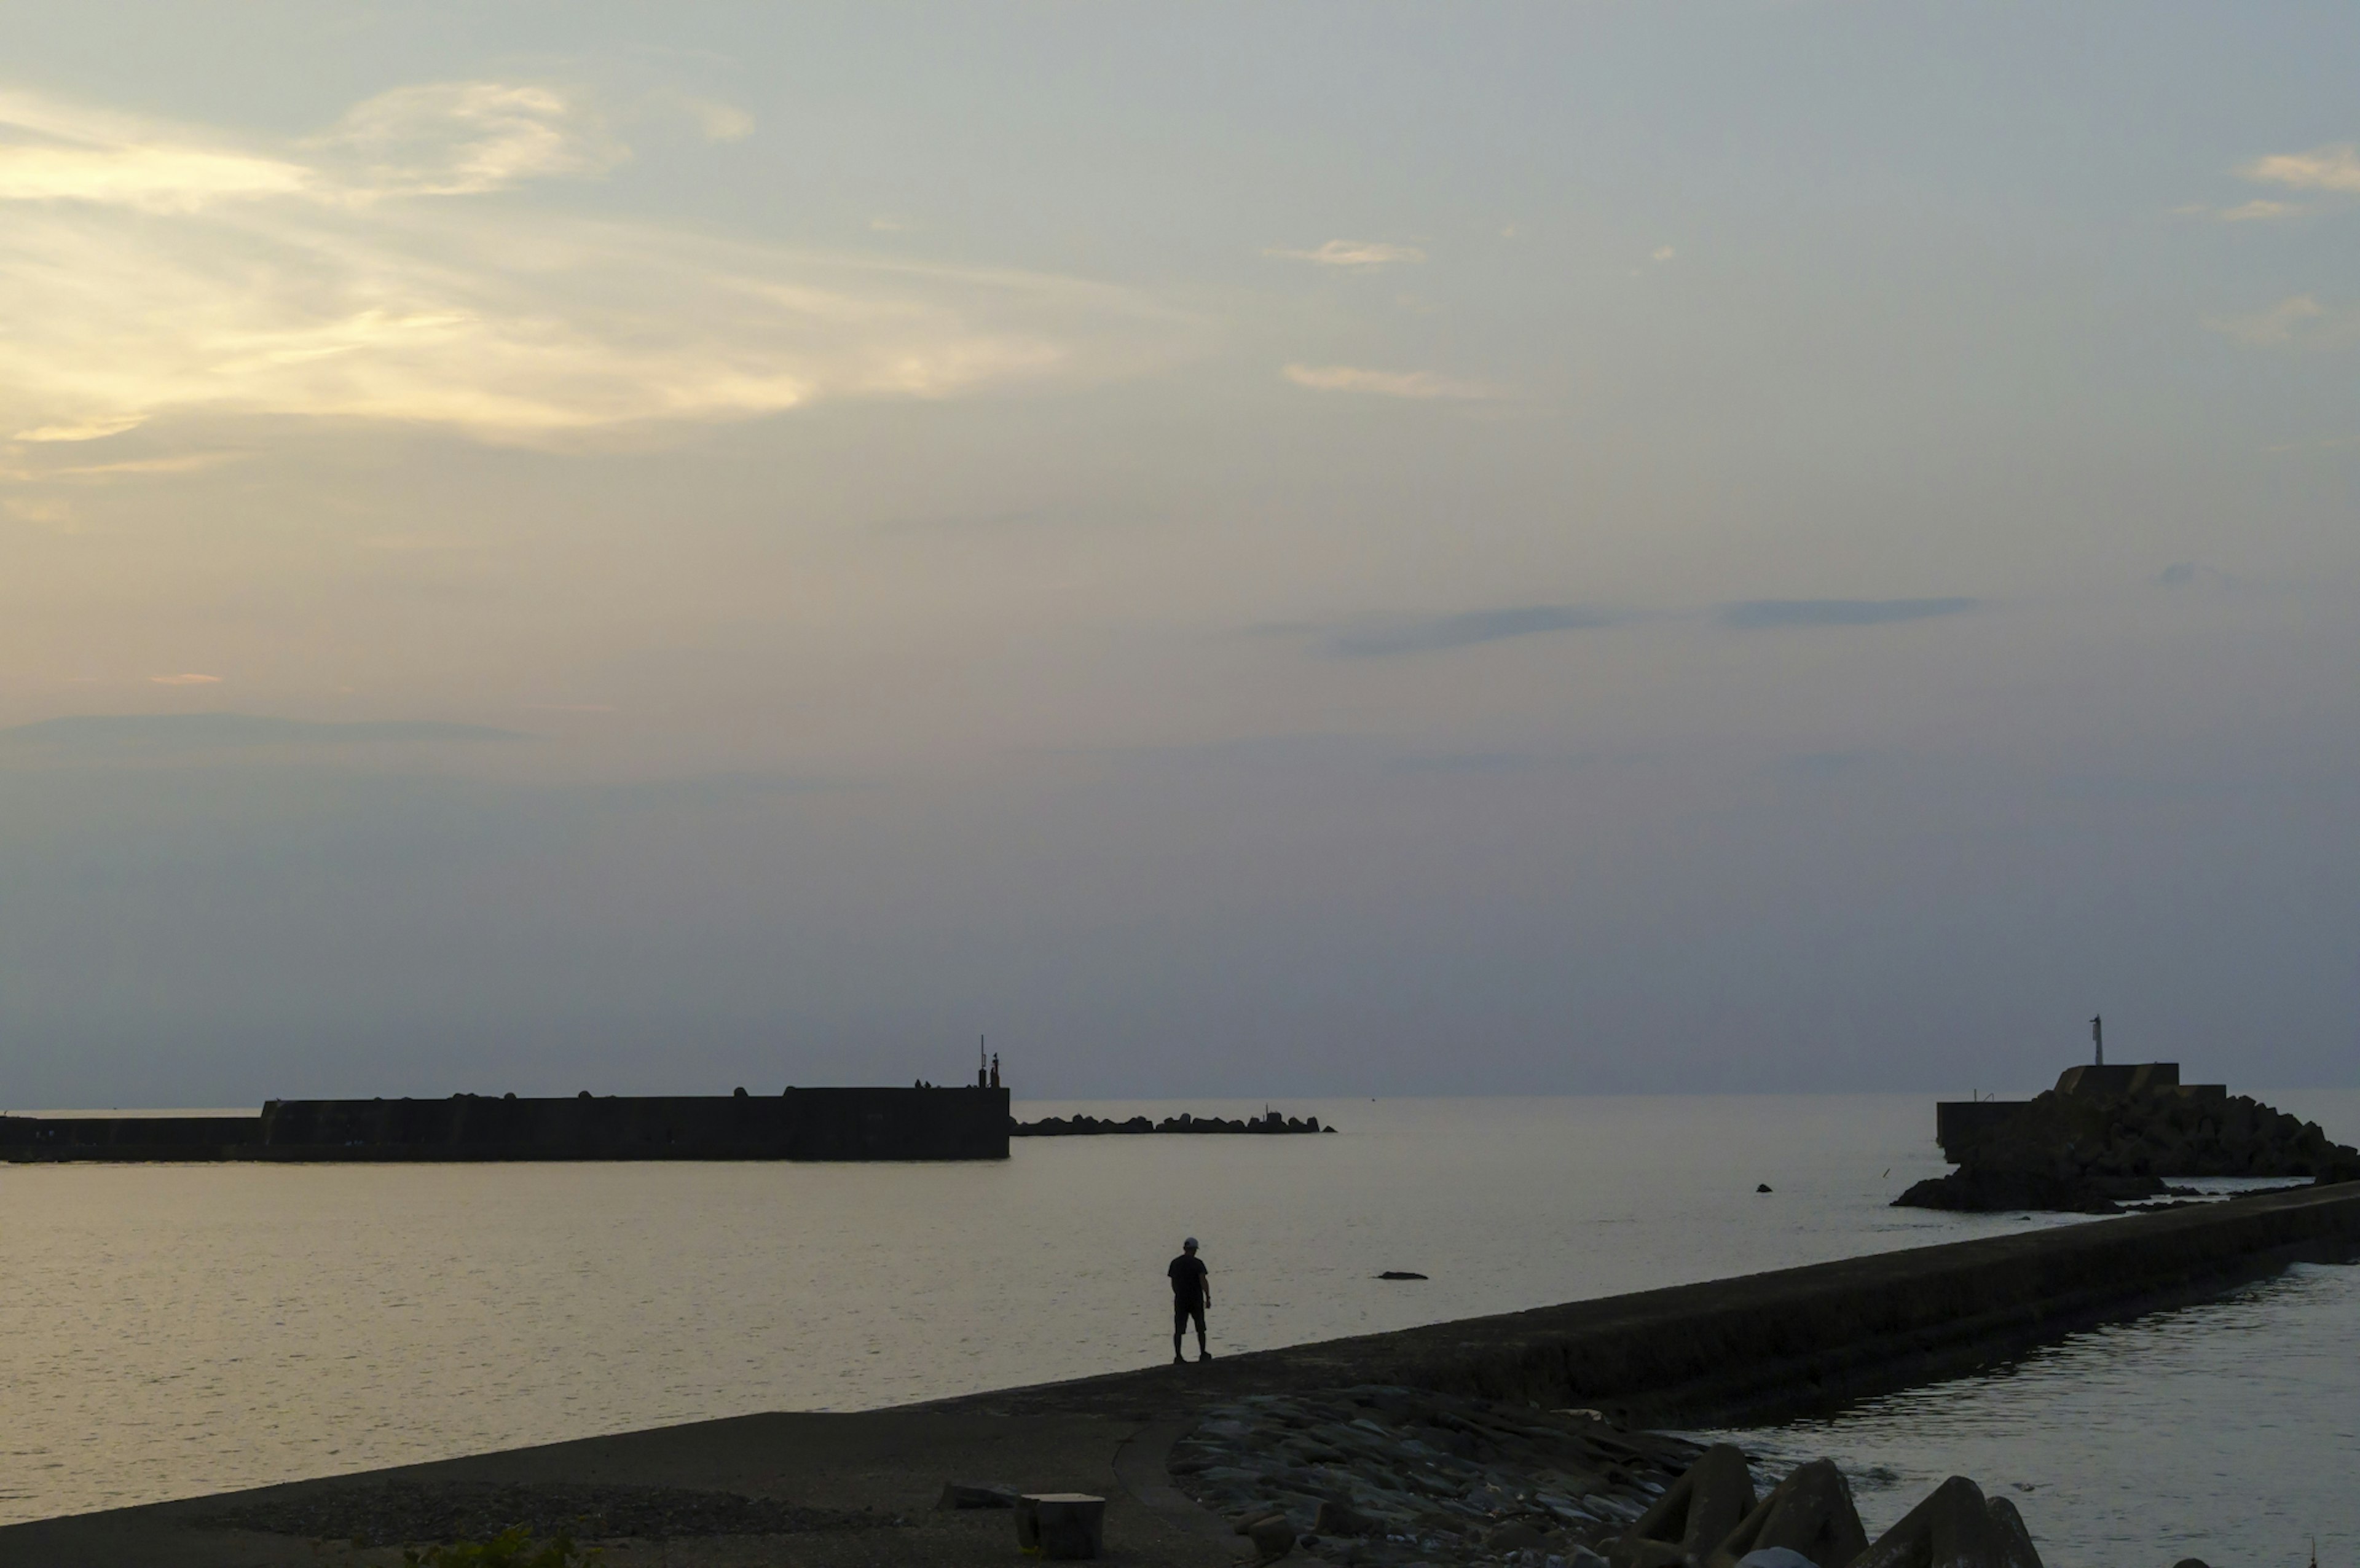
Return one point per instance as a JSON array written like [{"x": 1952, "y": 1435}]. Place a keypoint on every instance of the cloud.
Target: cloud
[
  {"x": 41, "y": 511},
  {"x": 185, "y": 679},
  {"x": 1436, "y": 634},
  {"x": 358, "y": 276},
  {"x": 1353, "y": 252},
  {"x": 1662, "y": 253},
  {"x": 720, "y": 122},
  {"x": 2259, "y": 212},
  {"x": 182, "y": 732},
  {"x": 1386, "y": 383},
  {"x": 2299, "y": 321},
  {"x": 1762, "y": 615},
  {"x": 2335, "y": 168},
  {"x": 464, "y": 139}
]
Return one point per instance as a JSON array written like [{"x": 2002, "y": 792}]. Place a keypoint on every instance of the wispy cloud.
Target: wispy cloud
[
  {"x": 719, "y": 122},
  {"x": 2298, "y": 321},
  {"x": 2325, "y": 172},
  {"x": 2260, "y": 210},
  {"x": 464, "y": 139},
  {"x": 154, "y": 269},
  {"x": 1438, "y": 633},
  {"x": 1763, "y": 615},
  {"x": 1353, "y": 252},
  {"x": 2334, "y": 168},
  {"x": 1662, "y": 253},
  {"x": 48, "y": 512},
  {"x": 1387, "y": 383},
  {"x": 185, "y": 679}
]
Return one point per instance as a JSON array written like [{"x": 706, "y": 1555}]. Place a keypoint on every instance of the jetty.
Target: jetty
[
  {"x": 958, "y": 1122},
  {"x": 1184, "y": 1454}
]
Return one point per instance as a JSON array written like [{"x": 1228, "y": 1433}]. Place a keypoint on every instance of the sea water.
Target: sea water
[{"x": 174, "y": 1330}]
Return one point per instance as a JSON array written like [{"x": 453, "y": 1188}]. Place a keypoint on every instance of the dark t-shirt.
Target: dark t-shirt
[{"x": 1188, "y": 1280}]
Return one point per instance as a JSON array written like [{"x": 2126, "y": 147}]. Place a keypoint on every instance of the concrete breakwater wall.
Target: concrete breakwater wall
[
  {"x": 1767, "y": 1346},
  {"x": 962, "y": 1123}
]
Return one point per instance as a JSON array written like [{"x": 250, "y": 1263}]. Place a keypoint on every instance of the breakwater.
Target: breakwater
[
  {"x": 1083, "y": 1125},
  {"x": 1769, "y": 1346},
  {"x": 963, "y": 1123},
  {"x": 2105, "y": 1135}
]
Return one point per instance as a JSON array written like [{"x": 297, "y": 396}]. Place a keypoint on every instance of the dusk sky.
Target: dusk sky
[{"x": 1246, "y": 550}]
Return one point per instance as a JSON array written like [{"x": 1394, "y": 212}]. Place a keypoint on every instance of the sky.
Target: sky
[{"x": 1238, "y": 551}]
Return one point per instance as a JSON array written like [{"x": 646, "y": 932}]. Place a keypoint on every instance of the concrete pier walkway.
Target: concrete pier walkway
[{"x": 1750, "y": 1349}]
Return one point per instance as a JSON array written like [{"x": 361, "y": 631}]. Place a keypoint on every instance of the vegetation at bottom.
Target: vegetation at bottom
[{"x": 510, "y": 1549}]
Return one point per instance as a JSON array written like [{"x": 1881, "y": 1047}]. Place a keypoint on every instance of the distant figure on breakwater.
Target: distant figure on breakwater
[
  {"x": 1192, "y": 1292},
  {"x": 995, "y": 1070}
]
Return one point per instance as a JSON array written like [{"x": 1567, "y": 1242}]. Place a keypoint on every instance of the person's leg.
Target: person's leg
[
  {"x": 1179, "y": 1327},
  {"x": 1202, "y": 1354}
]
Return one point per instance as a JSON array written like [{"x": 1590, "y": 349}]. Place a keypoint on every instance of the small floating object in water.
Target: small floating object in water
[
  {"x": 1762, "y": 1187},
  {"x": 1399, "y": 1274}
]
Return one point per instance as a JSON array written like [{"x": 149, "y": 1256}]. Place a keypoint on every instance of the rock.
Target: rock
[
  {"x": 2146, "y": 1130},
  {"x": 1775, "y": 1557},
  {"x": 1692, "y": 1517},
  {"x": 1514, "y": 1536},
  {"x": 1583, "y": 1557},
  {"x": 1984, "y": 1191},
  {"x": 1274, "y": 1537},
  {"x": 2016, "y": 1549},
  {"x": 1763, "y": 1187},
  {"x": 1808, "y": 1517},
  {"x": 1342, "y": 1518},
  {"x": 974, "y": 1495},
  {"x": 1399, "y": 1274},
  {"x": 1956, "y": 1527}
]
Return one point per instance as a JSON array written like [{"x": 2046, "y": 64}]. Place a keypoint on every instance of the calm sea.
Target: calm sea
[{"x": 172, "y": 1330}]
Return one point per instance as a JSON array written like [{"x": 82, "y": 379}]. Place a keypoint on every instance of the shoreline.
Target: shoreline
[{"x": 1747, "y": 1350}]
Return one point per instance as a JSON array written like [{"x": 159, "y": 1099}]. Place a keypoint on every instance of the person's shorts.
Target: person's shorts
[{"x": 1184, "y": 1312}]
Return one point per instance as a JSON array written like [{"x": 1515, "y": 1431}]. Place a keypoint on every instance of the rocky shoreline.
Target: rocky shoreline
[{"x": 1383, "y": 1475}]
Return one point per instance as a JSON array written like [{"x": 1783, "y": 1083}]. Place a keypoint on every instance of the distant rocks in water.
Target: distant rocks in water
[
  {"x": 2092, "y": 1144},
  {"x": 1762, "y": 1187},
  {"x": 1399, "y": 1274},
  {"x": 1083, "y": 1126},
  {"x": 1976, "y": 1192}
]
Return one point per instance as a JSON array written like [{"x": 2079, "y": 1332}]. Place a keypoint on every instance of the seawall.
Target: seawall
[
  {"x": 963, "y": 1123},
  {"x": 1754, "y": 1348},
  {"x": 1768, "y": 1346}
]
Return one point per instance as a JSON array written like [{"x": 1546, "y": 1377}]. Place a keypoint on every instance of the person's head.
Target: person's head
[{"x": 1189, "y": 1244}]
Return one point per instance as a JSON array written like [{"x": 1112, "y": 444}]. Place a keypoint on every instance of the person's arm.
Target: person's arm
[{"x": 1206, "y": 1284}]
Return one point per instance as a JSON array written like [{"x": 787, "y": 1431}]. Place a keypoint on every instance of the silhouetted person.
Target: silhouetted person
[
  {"x": 1192, "y": 1292},
  {"x": 995, "y": 1070}
]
